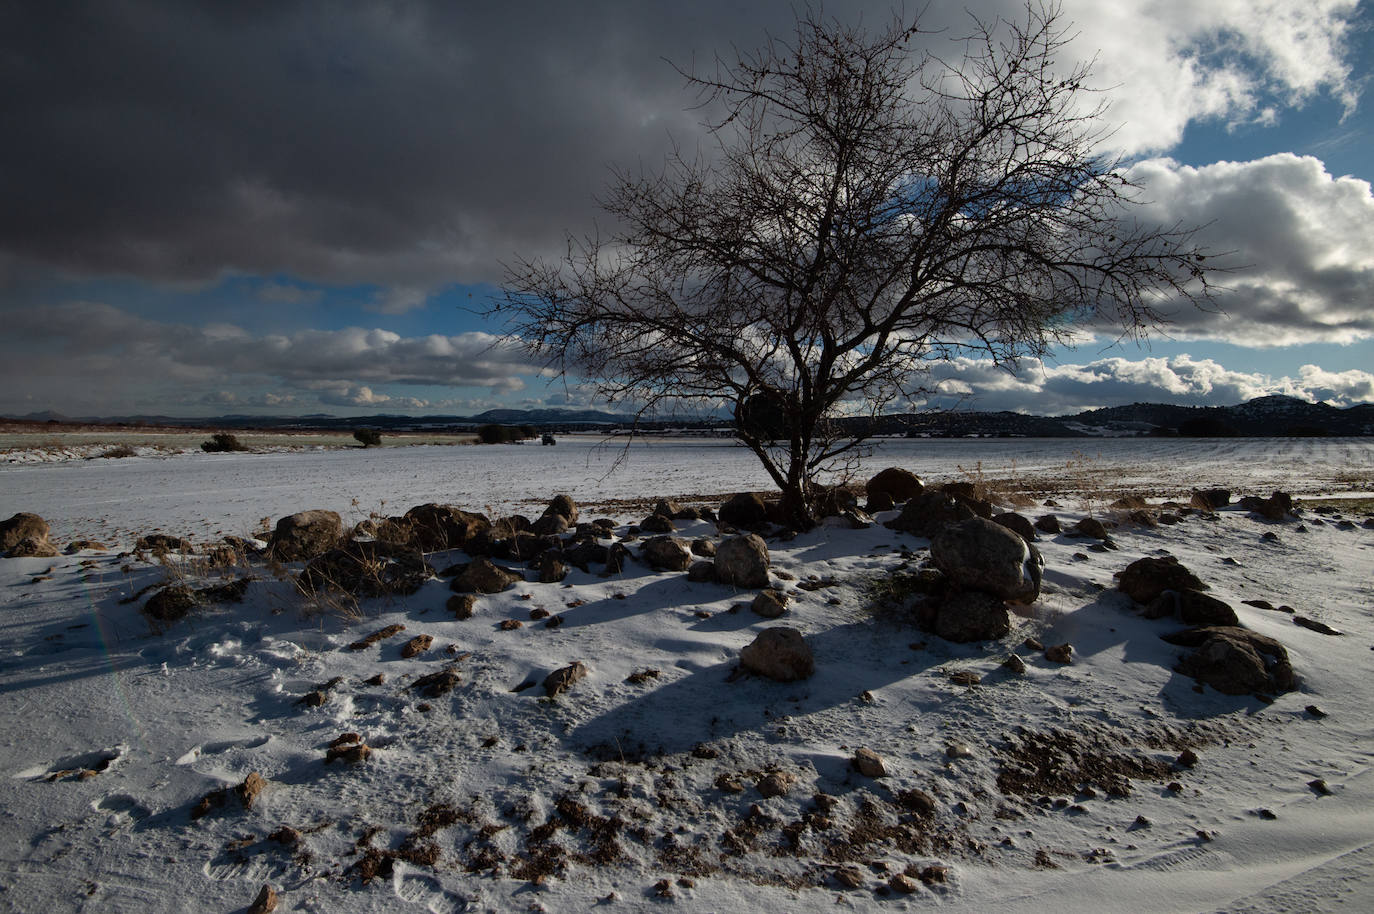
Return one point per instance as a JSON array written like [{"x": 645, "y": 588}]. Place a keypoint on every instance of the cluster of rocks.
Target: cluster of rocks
[{"x": 1228, "y": 657}]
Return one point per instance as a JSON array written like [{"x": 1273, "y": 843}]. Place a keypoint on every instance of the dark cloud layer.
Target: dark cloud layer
[{"x": 405, "y": 141}]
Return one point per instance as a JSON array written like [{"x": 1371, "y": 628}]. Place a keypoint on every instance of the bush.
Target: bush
[
  {"x": 368, "y": 437},
  {"x": 222, "y": 442}
]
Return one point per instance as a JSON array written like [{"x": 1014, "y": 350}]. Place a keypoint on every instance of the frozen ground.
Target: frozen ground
[{"x": 619, "y": 795}]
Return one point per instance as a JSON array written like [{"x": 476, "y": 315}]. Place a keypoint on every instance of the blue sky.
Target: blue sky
[{"x": 287, "y": 208}]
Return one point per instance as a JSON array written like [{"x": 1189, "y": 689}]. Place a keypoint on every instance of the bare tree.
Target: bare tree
[{"x": 868, "y": 212}]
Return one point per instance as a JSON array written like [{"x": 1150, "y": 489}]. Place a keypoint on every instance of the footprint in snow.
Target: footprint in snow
[
  {"x": 420, "y": 889},
  {"x": 196, "y": 752}
]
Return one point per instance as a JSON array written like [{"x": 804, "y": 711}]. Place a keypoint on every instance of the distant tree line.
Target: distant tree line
[{"x": 504, "y": 434}]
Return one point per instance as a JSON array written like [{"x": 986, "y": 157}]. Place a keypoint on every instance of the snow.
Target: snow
[{"x": 167, "y": 718}]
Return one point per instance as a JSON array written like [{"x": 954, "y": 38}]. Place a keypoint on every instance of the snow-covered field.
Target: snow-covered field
[{"x": 640, "y": 792}]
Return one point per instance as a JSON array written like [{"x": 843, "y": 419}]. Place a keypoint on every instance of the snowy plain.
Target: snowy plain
[{"x": 535, "y": 785}]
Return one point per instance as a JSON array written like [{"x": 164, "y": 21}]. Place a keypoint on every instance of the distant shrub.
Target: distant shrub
[
  {"x": 368, "y": 437},
  {"x": 119, "y": 450},
  {"x": 503, "y": 434},
  {"x": 222, "y": 442}
]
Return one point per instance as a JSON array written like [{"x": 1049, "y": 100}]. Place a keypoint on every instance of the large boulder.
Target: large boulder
[
  {"x": 929, "y": 513},
  {"x": 1235, "y": 661},
  {"x": 746, "y": 510},
  {"x": 563, "y": 506},
  {"x": 305, "y": 535},
  {"x": 667, "y": 553},
  {"x": 1145, "y": 579},
  {"x": 481, "y": 576},
  {"x": 25, "y": 535},
  {"x": 436, "y": 527},
  {"x": 971, "y": 615},
  {"x": 742, "y": 561},
  {"x": 1278, "y": 506},
  {"x": 1018, "y": 524},
  {"x": 1210, "y": 499},
  {"x": 779, "y": 653},
  {"x": 895, "y": 483},
  {"x": 978, "y": 554}
]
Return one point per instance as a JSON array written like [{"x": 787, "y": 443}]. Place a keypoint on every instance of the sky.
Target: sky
[{"x": 303, "y": 207}]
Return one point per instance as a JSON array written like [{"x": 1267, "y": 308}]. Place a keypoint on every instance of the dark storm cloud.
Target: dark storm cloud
[{"x": 381, "y": 142}]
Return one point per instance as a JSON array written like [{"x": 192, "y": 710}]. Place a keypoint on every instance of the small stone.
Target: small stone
[
  {"x": 869, "y": 764},
  {"x": 769, "y": 603},
  {"x": 934, "y": 874},
  {"x": 251, "y": 788},
  {"x": 965, "y": 678},
  {"x": 1142, "y": 822},
  {"x": 1175, "y": 787},
  {"x": 776, "y": 784},
  {"x": 462, "y": 605},
  {"x": 958, "y": 750},
  {"x": 849, "y": 877},
  {"x": 417, "y": 645},
  {"x": 903, "y": 884},
  {"x": 1060, "y": 653},
  {"x": 1014, "y": 664},
  {"x": 1319, "y": 786},
  {"x": 265, "y": 903},
  {"x": 510, "y": 625},
  {"x": 1316, "y": 711},
  {"x": 1187, "y": 758},
  {"x": 1033, "y": 644},
  {"x": 561, "y": 680}
]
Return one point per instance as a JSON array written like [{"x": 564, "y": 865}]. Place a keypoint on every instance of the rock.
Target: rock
[
  {"x": 563, "y": 506},
  {"x": 481, "y": 576},
  {"x": 779, "y": 653},
  {"x": 365, "y": 570},
  {"x": 965, "y": 678},
  {"x": 416, "y": 646},
  {"x": 551, "y": 568},
  {"x": 1059, "y": 653},
  {"x": 769, "y": 603},
  {"x": 1145, "y": 579},
  {"x": 251, "y": 788},
  {"x": 1233, "y": 660},
  {"x": 559, "y": 681},
  {"x": 434, "y": 527},
  {"x": 1197, "y": 608},
  {"x": 848, "y": 876},
  {"x": 1014, "y": 664},
  {"x": 1047, "y": 524},
  {"x": 616, "y": 557},
  {"x": 742, "y": 561},
  {"x": 982, "y": 555},
  {"x": 776, "y": 784},
  {"x": 462, "y": 605},
  {"x": 666, "y": 553},
  {"x": 657, "y": 523},
  {"x": 432, "y": 685},
  {"x": 76, "y": 546},
  {"x": 23, "y": 527},
  {"x": 265, "y": 903},
  {"x": 550, "y": 525},
  {"x": 305, "y": 535},
  {"x": 1016, "y": 523},
  {"x": 1091, "y": 528},
  {"x": 163, "y": 543},
  {"x": 746, "y": 510},
  {"x": 869, "y": 764},
  {"x": 1278, "y": 506},
  {"x": 701, "y": 572},
  {"x": 171, "y": 604},
  {"x": 929, "y": 513},
  {"x": 917, "y": 801},
  {"x": 895, "y": 483},
  {"x": 29, "y": 548},
  {"x": 1130, "y": 503},
  {"x": 380, "y": 634},
  {"x": 903, "y": 884},
  {"x": 879, "y": 502},
  {"x": 1319, "y": 627},
  {"x": 1210, "y": 499},
  {"x": 971, "y": 615},
  {"x": 704, "y": 547}
]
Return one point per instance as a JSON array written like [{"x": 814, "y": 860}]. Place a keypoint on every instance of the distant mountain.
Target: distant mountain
[{"x": 1261, "y": 417}]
